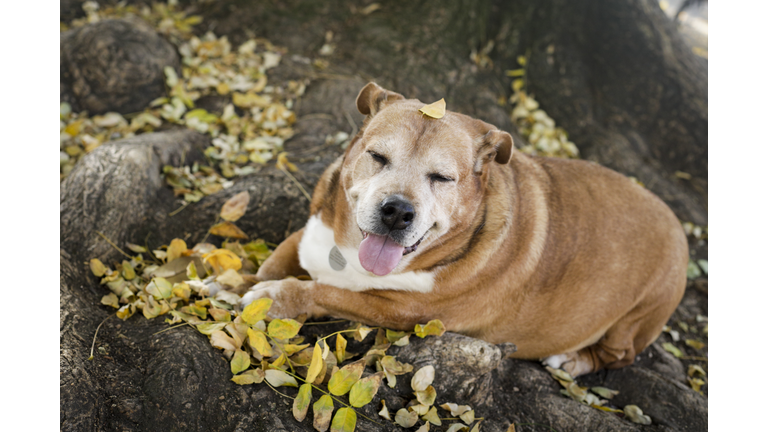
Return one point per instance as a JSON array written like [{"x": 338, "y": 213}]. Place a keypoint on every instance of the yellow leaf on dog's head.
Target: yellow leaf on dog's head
[{"x": 435, "y": 110}]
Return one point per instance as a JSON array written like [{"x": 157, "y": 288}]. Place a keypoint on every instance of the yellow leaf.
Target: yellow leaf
[
  {"x": 279, "y": 378},
  {"x": 229, "y": 230},
  {"x": 456, "y": 410},
  {"x": 235, "y": 207},
  {"x": 364, "y": 390},
  {"x": 322, "y": 409},
  {"x": 405, "y": 418},
  {"x": 136, "y": 248},
  {"x": 635, "y": 414},
  {"x": 301, "y": 403},
  {"x": 344, "y": 420},
  {"x": 432, "y": 417},
  {"x": 110, "y": 300},
  {"x": 604, "y": 392},
  {"x": 696, "y": 383},
  {"x": 695, "y": 369},
  {"x": 427, "y": 396},
  {"x": 341, "y": 348},
  {"x": 125, "y": 312},
  {"x": 291, "y": 349},
  {"x": 695, "y": 344},
  {"x": 672, "y": 349},
  {"x": 192, "y": 271},
  {"x": 220, "y": 315},
  {"x": 515, "y": 73},
  {"x": 280, "y": 361},
  {"x": 385, "y": 412},
  {"x": 256, "y": 311},
  {"x": 316, "y": 365},
  {"x": 521, "y": 60},
  {"x": 258, "y": 341},
  {"x": 240, "y": 362},
  {"x": 209, "y": 328},
  {"x": 432, "y": 328},
  {"x": 343, "y": 380},
  {"x": 222, "y": 260},
  {"x": 151, "y": 308},
  {"x": 253, "y": 376},
  {"x": 468, "y": 417},
  {"x": 98, "y": 268},
  {"x": 283, "y": 329},
  {"x": 181, "y": 290},
  {"x": 518, "y": 84},
  {"x": 282, "y": 163},
  {"x": 176, "y": 249},
  {"x": 231, "y": 278},
  {"x": 159, "y": 288},
  {"x": 435, "y": 110}
]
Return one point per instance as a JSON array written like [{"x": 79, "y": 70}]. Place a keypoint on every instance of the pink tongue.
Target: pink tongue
[{"x": 379, "y": 254}]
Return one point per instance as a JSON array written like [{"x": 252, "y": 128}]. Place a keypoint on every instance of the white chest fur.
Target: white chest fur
[{"x": 315, "y": 249}]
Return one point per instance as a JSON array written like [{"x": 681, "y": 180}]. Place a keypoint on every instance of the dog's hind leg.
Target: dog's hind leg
[{"x": 620, "y": 344}]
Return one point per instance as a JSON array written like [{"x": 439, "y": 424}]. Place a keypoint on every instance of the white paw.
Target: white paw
[
  {"x": 269, "y": 289},
  {"x": 555, "y": 361},
  {"x": 283, "y": 295}
]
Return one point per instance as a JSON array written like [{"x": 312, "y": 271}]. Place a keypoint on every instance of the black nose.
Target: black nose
[{"x": 397, "y": 213}]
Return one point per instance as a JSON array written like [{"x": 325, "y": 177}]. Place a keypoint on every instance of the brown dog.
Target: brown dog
[{"x": 427, "y": 218}]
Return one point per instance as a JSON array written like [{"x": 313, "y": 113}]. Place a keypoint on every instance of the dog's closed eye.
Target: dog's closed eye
[
  {"x": 435, "y": 177},
  {"x": 378, "y": 158}
]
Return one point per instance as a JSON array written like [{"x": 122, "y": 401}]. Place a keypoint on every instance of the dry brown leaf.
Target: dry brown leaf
[{"x": 235, "y": 207}]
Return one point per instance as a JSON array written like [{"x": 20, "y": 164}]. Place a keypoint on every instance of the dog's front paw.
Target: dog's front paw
[
  {"x": 286, "y": 295},
  {"x": 572, "y": 362}
]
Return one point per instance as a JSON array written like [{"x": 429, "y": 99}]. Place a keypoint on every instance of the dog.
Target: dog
[{"x": 426, "y": 218}]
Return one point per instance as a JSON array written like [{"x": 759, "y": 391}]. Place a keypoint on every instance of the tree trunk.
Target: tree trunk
[{"x": 619, "y": 79}]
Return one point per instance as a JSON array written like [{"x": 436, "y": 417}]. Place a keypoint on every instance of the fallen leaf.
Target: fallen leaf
[
  {"x": 695, "y": 344},
  {"x": 301, "y": 403},
  {"x": 222, "y": 260},
  {"x": 477, "y": 427},
  {"x": 559, "y": 374},
  {"x": 457, "y": 427},
  {"x": 672, "y": 349},
  {"x": 342, "y": 381},
  {"x": 283, "y": 329},
  {"x": 384, "y": 411},
  {"x": 240, "y": 362},
  {"x": 364, "y": 390},
  {"x": 427, "y": 396},
  {"x": 435, "y": 110},
  {"x": 696, "y": 383},
  {"x": 406, "y": 418},
  {"x": 635, "y": 414},
  {"x": 316, "y": 365},
  {"x": 110, "y": 300},
  {"x": 695, "y": 369},
  {"x": 322, "y": 409},
  {"x": 252, "y": 376},
  {"x": 361, "y": 331},
  {"x": 279, "y": 378},
  {"x": 221, "y": 340},
  {"x": 229, "y": 230},
  {"x": 98, "y": 268},
  {"x": 258, "y": 341},
  {"x": 456, "y": 410},
  {"x": 256, "y": 311},
  {"x": 344, "y": 420},
  {"x": 605, "y": 392},
  {"x": 136, "y": 248},
  {"x": 432, "y": 417},
  {"x": 432, "y": 328},
  {"x": 468, "y": 417},
  {"x": 341, "y": 348},
  {"x": 176, "y": 249},
  {"x": 423, "y": 378},
  {"x": 209, "y": 328}
]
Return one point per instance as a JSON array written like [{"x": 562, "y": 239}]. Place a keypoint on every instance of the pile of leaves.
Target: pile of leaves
[
  {"x": 201, "y": 287},
  {"x": 538, "y": 128},
  {"x": 250, "y": 130}
]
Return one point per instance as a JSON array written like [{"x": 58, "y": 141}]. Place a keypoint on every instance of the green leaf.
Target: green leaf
[
  {"x": 301, "y": 403},
  {"x": 432, "y": 328},
  {"x": 240, "y": 362},
  {"x": 704, "y": 264},
  {"x": 259, "y": 342},
  {"x": 672, "y": 349},
  {"x": 316, "y": 365},
  {"x": 256, "y": 311},
  {"x": 341, "y": 382},
  {"x": 364, "y": 390},
  {"x": 159, "y": 288},
  {"x": 322, "y": 409},
  {"x": 283, "y": 329},
  {"x": 693, "y": 270},
  {"x": 279, "y": 378},
  {"x": 344, "y": 420},
  {"x": 192, "y": 271},
  {"x": 253, "y": 376}
]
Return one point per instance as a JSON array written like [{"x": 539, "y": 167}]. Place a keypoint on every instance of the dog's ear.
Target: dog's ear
[
  {"x": 494, "y": 145},
  {"x": 372, "y": 99}
]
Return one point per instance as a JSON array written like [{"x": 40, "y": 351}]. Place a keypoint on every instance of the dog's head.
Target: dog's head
[{"x": 410, "y": 179}]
